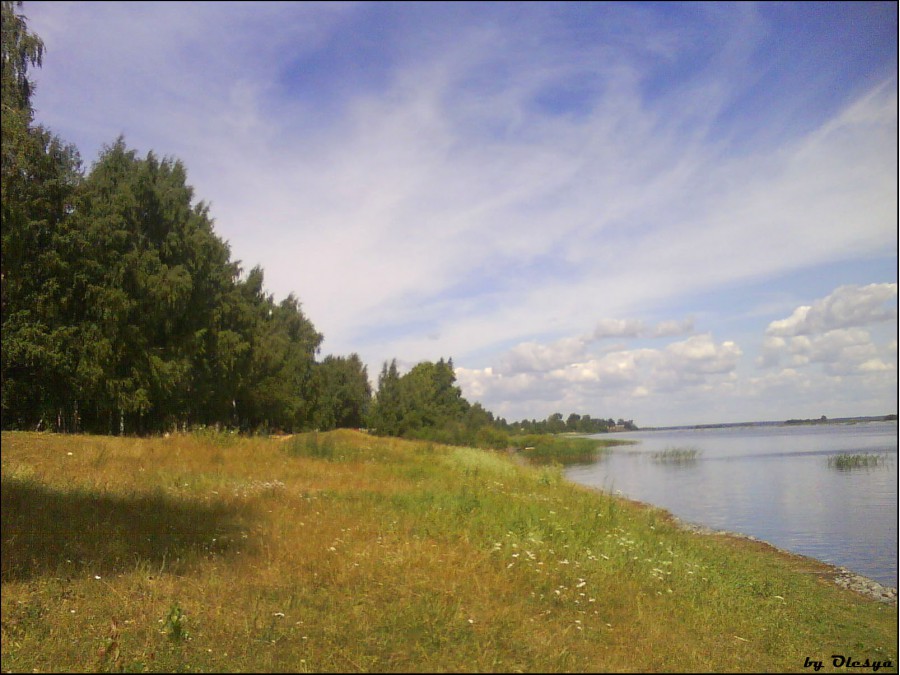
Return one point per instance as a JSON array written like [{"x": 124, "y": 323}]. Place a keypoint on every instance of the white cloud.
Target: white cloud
[
  {"x": 832, "y": 333},
  {"x": 618, "y": 328},
  {"x": 877, "y": 366},
  {"x": 609, "y": 381},
  {"x": 533, "y": 357},
  {"x": 847, "y": 306},
  {"x": 372, "y": 214},
  {"x": 672, "y": 328},
  {"x": 700, "y": 354},
  {"x": 440, "y": 211}
]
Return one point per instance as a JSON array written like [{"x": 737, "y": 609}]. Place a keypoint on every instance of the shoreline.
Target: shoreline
[{"x": 837, "y": 574}]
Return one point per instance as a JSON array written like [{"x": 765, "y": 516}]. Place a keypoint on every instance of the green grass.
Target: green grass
[
  {"x": 344, "y": 552},
  {"x": 848, "y": 461}
]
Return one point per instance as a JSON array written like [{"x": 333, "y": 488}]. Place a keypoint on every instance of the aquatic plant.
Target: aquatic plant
[
  {"x": 855, "y": 461},
  {"x": 561, "y": 449},
  {"x": 676, "y": 455}
]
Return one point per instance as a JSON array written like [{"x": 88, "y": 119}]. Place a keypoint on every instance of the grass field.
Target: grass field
[{"x": 346, "y": 552}]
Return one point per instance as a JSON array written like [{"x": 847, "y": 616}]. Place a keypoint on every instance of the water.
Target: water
[{"x": 773, "y": 482}]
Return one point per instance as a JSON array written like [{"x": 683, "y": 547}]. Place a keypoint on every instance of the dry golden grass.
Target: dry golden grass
[{"x": 344, "y": 552}]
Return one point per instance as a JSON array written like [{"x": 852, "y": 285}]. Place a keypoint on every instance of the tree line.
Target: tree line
[{"x": 124, "y": 312}]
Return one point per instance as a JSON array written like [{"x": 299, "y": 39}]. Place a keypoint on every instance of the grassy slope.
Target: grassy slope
[{"x": 354, "y": 553}]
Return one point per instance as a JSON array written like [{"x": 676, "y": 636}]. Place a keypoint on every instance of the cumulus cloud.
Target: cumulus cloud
[
  {"x": 672, "y": 328},
  {"x": 566, "y": 373},
  {"x": 835, "y": 332},
  {"x": 701, "y": 354},
  {"x": 534, "y": 357},
  {"x": 846, "y": 307}
]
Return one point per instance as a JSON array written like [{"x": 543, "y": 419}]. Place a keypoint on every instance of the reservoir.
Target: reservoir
[{"x": 779, "y": 483}]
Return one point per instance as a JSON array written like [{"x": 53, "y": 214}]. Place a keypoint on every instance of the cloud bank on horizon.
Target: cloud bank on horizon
[{"x": 672, "y": 213}]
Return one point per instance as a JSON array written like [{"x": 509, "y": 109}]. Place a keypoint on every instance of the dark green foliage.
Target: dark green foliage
[
  {"x": 582, "y": 424},
  {"x": 121, "y": 308},
  {"x": 136, "y": 319},
  {"x": 20, "y": 50},
  {"x": 342, "y": 391},
  {"x": 387, "y": 407},
  {"x": 424, "y": 403},
  {"x": 39, "y": 178}
]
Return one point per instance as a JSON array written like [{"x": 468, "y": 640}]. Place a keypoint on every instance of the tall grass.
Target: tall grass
[{"x": 344, "y": 552}]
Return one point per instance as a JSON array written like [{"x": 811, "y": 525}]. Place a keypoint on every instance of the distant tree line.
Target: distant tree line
[
  {"x": 123, "y": 312},
  {"x": 425, "y": 403},
  {"x": 574, "y": 423}
]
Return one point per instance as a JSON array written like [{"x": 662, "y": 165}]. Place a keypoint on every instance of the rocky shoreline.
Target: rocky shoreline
[{"x": 839, "y": 575}]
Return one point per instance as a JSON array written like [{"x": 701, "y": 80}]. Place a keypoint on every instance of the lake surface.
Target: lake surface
[{"x": 773, "y": 482}]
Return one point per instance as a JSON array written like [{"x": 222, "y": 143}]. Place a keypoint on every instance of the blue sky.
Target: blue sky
[{"x": 671, "y": 213}]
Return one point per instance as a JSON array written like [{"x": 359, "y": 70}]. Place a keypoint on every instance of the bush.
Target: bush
[{"x": 491, "y": 437}]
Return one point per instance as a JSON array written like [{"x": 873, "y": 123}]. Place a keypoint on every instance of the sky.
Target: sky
[{"x": 671, "y": 213}]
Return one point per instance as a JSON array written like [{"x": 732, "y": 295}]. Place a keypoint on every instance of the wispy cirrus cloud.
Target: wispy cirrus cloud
[{"x": 483, "y": 181}]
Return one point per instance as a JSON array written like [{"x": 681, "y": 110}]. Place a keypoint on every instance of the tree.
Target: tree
[
  {"x": 342, "y": 391},
  {"x": 555, "y": 424},
  {"x": 121, "y": 308},
  {"x": 386, "y": 408},
  {"x": 39, "y": 176},
  {"x": 20, "y": 49},
  {"x": 151, "y": 275}
]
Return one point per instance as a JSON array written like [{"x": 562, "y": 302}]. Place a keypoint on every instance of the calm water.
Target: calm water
[{"x": 772, "y": 482}]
